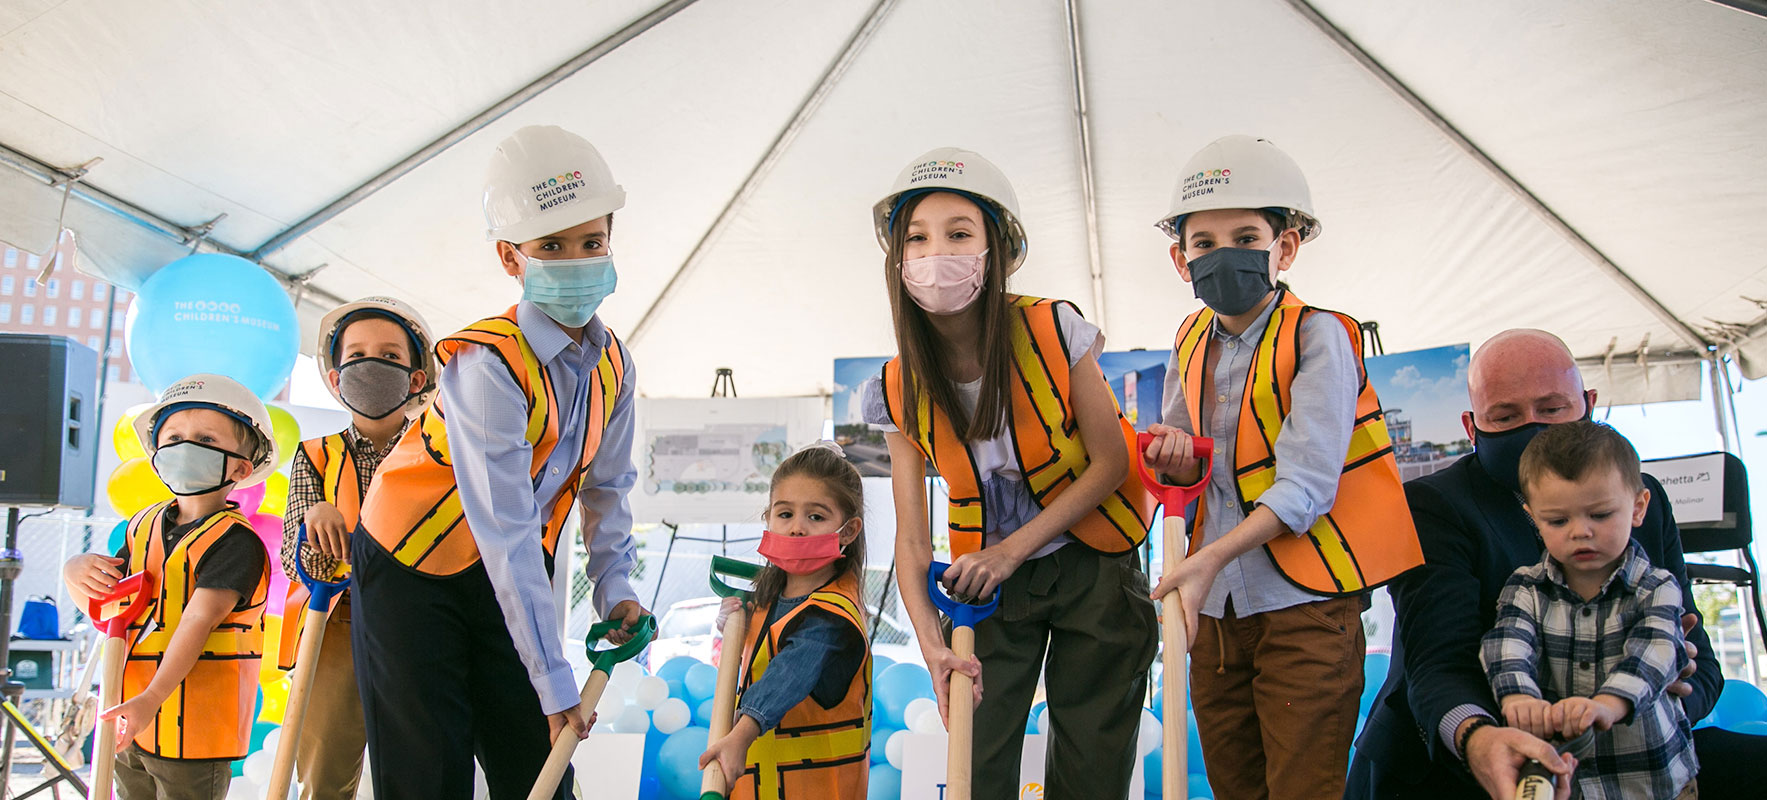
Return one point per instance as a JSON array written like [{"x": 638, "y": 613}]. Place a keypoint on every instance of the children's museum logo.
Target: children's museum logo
[
  {"x": 558, "y": 189},
  {"x": 1204, "y": 182},
  {"x": 933, "y": 170},
  {"x": 216, "y": 311}
]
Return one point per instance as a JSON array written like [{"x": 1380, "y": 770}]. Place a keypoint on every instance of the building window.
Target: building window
[
  {"x": 6, "y": 284},
  {"x": 5, "y": 312},
  {"x": 96, "y": 321},
  {"x": 98, "y": 290},
  {"x": 27, "y": 315},
  {"x": 30, "y": 287},
  {"x": 112, "y": 372},
  {"x": 54, "y": 286},
  {"x": 77, "y": 290},
  {"x": 49, "y": 315},
  {"x": 116, "y": 346},
  {"x": 11, "y": 258},
  {"x": 92, "y": 342},
  {"x": 31, "y": 261},
  {"x": 73, "y": 317},
  {"x": 116, "y": 319}
]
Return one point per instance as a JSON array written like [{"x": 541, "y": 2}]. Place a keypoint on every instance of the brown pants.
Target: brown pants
[
  {"x": 329, "y": 756},
  {"x": 1276, "y": 699},
  {"x": 143, "y": 777}
]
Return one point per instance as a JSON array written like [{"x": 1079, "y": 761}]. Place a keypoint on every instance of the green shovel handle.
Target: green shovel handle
[
  {"x": 741, "y": 570},
  {"x": 604, "y": 660}
]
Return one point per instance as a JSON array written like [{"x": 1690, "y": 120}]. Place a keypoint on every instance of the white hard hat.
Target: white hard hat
[
  {"x": 225, "y": 395},
  {"x": 950, "y": 169},
  {"x": 423, "y": 354},
  {"x": 1241, "y": 172},
  {"x": 544, "y": 179}
]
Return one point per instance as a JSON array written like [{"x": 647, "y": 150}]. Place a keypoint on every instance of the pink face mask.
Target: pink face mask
[
  {"x": 945, "y": 284},
  {"x": 801, "y": 555}
]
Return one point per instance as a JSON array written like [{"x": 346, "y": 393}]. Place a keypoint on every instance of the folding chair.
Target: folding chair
[{"x": 1733, "y": 531}]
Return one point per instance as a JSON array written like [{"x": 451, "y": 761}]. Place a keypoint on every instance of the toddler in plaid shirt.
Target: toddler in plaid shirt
[{"x": 1591, "y": 635}]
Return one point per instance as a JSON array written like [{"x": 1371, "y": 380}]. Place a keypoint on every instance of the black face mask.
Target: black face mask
[
  {"x": 1231, "y": 280},
  {"x": 1500, "y": 454},
  {"x": 374, "y": 387}
]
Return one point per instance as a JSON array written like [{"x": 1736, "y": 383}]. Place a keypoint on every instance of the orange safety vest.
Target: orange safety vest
[
  {"x": 413, "y": 509},
  {"x": 1045, "y": 437},
  {"x": 815, "y": 752},
  {"x": 209, "y": 715},
  {"x": 340, "y": 485},
  {"x": 1367, "y": 538}
]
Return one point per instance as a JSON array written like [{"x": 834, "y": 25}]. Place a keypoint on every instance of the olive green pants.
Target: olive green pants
[
  {"x": 140, "y": 776},
  {"x": 1088, "y": 620}
]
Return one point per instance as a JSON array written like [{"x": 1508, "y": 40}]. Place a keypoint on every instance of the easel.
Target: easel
[{"x": 723, "y": 385}]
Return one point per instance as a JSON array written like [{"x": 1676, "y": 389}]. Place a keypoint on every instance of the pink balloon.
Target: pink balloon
[
  {"x": 248, "y": 498},
  {"x": 268, "y": 527},
  {"x": 278, "y": 599}
]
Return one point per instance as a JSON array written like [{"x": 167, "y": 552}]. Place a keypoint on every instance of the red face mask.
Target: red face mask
[{"x": 801, "y": 555}]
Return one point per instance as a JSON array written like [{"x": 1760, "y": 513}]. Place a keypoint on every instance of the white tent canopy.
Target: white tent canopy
[{"x": 1593, "y": 167}]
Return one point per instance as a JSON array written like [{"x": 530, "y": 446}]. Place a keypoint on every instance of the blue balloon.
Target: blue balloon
[
  {"x": 1199, "y": 787},
  {"x": 886, "y": 783},
  {"x": 1031, "y": 721},
  {"x": 897, "y": 686},
  {"x": 213, "y": 313},
  {"x": 650, "y": 789},
  {"x": 1150, "y": 773},
  {"x": 678, "y": 761},
  {"x": 1374, "y": 674},
  {"x": 676, "y": 668},
  {"x": 1159, "y": 705},
  {"x": 701, "y": 682},
  {"x": 258, "y": 705},
  {"x": 118, "y": 536},
  {"x": 1740, "y": 702},
  {"x": 678, "y": 689},
  {"x": 703, "y": 714},
  {"x": 881, "y": 663},
  {"x": 1194, "y": 751},
  {"x": 880, "y": 736},
  {"x": 259, "y": 731}
]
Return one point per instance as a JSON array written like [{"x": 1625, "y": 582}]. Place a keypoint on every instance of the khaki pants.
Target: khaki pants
[
  {"x": 1088, "y": 619},
  {"x": 144, "y": 777},
  {"x": 1276, "y": 699},
  {"x": 329, "y": 756}
]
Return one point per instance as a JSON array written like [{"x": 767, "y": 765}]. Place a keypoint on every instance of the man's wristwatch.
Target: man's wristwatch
[{"x": 1467, "y": 732}]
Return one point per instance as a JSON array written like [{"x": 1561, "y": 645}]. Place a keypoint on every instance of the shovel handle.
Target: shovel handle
[
  {"x": 962, "y": 715},
  {"x": 319, "y": 592},
  {"x": 104, "y": 748},
  {"x": 1174, "y": 780},
  {"x": 1536, "y": 782},
  {"x": 138, "y": 588},
  {"x": 713, "y": 783},
  {"x": 565, "y": 745},
  {"x": 301, "y": 686}
]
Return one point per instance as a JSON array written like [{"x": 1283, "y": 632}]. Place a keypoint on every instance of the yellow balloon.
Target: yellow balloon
[
  {"x": 288, "y": 434},
  {"x": 134, "y": 486},
  {"x": 123, "y": 438},
  {"x": 275, "y": 701},
  {"x": 275, "y": 495}
]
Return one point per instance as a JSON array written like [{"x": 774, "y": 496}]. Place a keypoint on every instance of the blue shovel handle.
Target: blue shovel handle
[
  {"x": 319, "y": 592},
  {"x": 963, "y": 615}
]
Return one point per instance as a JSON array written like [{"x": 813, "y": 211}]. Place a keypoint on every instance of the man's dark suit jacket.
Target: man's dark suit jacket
[{"x": 1474, "y": 534}]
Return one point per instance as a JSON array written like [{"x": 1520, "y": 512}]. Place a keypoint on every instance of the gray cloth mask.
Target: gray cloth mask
[
  {"x": 1231, "y": 280},
  {"x": 374, "y": 387}
]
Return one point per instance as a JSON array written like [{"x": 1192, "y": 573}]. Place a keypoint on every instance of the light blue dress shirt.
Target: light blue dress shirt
[
  {"x": 1310, "y": 451},
  {"x": 486, "y": 419}
]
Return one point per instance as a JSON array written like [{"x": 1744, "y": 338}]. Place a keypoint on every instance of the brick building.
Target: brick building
[{"x": 69, "y": 304}]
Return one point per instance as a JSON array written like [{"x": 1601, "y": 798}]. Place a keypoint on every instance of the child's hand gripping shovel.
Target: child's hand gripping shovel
[
  {"x": 603, "y": 662},
  {"x": 321, "y": 597},
  {"x": 714, "y": 784},
  {"x": 961, "y": 725},
  {"x": 1537, "y": 782},
  {"x": 139, "y": 590},
  {"x": 1173, "y": 778}
]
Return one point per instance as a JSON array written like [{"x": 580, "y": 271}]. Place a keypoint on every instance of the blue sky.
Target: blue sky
[{"x": 1429, "y": 386}]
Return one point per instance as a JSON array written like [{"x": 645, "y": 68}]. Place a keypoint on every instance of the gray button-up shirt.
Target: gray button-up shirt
[{"x": 1310, "y": 450}]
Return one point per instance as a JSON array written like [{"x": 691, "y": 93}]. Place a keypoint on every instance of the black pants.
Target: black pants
[{"x": 441, "y": 684}]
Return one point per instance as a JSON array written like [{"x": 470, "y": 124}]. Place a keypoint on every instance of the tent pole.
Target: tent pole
[
  {"x": 85, "y": 192},
  {"x": 1719, "y": 396},
  {"x": 1528, "y": 198},
  {"x": 1088, "y": 192},
  {"x": 1756, "y": 7},
  {"x": 471, "y": 126},
  {"x": 775, "y": 151}
]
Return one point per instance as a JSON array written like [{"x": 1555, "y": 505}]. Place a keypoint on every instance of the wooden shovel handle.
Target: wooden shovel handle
[
  {"x": 712, "y": 780},
  {"x": 1174, "y": 780},
  {"x": 962, "y": 717},
  {"x": 104, "y": 749},
  {"x": 301, "y": 686},
  {"x": 566, "y": 745}
]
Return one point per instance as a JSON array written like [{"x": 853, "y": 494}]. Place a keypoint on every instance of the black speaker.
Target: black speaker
[{"x": 48, "y": 427}]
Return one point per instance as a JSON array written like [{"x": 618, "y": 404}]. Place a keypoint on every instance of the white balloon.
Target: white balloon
[
  {"x": 612, "y": 702},
  {"x": 272, "y": 740},
  {"x": 650, "y": 692},
  {"x": 632, "y": 720},
  {"x": 893, "y": 748},
  {"x": 626, "y": 673},
  {"x": 1150, "y": 735},
  {"x": 257, "y": 767},
  {"x": 671, "y": 716},
  {"x": 242, "y": 788},
  {"x": 1043, "y": 720},
  {"x": 928, "y": 721}
]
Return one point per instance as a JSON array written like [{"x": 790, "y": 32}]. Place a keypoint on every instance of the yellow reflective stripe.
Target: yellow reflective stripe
[
  {"x": 1261, "y": 388},
  {"x": 230, "y": 642},
  {"x": 537, "y": 389},
  {"x": 610, "y": 383},
  {"x": 838, "y": 599},
  {"x": 1367, "y": 439},
  {"x": 416, "y": 544},
  {"x": 334, "y": 467},
  {"x": 1336, "y": 554},
  {"x": 771, "y": 750}
]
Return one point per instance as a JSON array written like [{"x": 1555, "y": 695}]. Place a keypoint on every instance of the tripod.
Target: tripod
[{"x": 12, "y": 562}]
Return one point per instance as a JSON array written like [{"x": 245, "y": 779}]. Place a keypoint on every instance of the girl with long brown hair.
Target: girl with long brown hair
[{"x": 1003, "y": 394}]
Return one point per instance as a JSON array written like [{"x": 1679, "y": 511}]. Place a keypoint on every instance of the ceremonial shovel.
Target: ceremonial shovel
[
  {"x": 139, "y": 590},
  {"x": 964, "y": 617},
  {"x": 320, "y": 597},
  {"x": 603, "y": 662},
  {"x": 714, "y": 784}
]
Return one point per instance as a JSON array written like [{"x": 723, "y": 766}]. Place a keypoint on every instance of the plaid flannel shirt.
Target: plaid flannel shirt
[
  {"x": 1550, "y": 644},
  {"x": 305, "y": 490}
]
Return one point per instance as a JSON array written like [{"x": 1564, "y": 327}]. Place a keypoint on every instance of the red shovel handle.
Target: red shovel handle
[
  {"x": 1174, "y": 497},
  {"x": 139, "y": 586}
]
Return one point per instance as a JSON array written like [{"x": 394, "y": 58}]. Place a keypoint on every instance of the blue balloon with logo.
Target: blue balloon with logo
[{"x": 213, "y": 313}]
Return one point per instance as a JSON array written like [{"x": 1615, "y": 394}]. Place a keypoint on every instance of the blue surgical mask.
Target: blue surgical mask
[{"x": 569, "y": 290}]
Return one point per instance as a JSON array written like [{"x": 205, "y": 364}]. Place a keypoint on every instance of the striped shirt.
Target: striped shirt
[{"x": 1550, "y": 643}]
